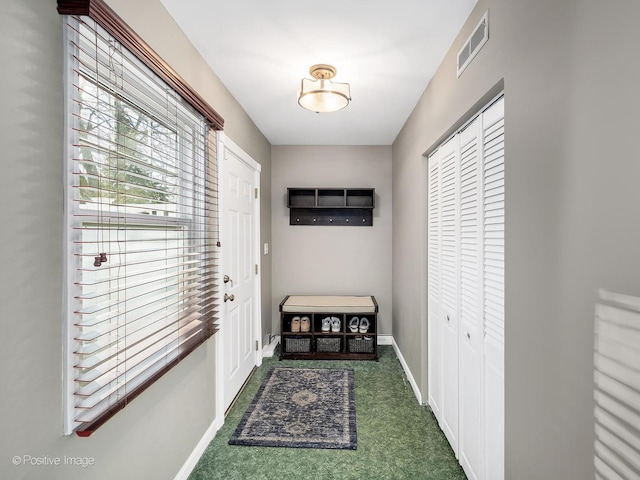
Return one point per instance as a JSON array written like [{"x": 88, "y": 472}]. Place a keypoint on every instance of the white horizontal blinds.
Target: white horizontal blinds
[
  {"x": 449, "y": 226},
  {"x": 617, "y": 387},
  {"x": 143, "y": 226},
  {"x": 494, "y": 211},
  {"x": 469, "y": 226}
]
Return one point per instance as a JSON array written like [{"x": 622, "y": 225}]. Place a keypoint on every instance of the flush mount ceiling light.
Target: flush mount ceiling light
[{"x": 321, "y": 94}]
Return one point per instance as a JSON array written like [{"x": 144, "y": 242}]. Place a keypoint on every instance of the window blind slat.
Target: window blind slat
[
  {"x": 93, "y": 364},
  {"x": 174, "y": 303},
  {"x": 122, "y": 359},
  {"x": 617, "y": 386},
  {"x": 181, "y": 261},
  {"x": 618, "y": 418}
]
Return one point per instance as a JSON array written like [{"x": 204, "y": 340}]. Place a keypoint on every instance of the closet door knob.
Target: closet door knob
[
  {"x": 467, "y": 334},
  {"x": 228, "y": 297}
]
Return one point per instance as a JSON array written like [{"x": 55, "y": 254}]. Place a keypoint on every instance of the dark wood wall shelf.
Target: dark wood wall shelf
[{"x": 331, "y": 206}]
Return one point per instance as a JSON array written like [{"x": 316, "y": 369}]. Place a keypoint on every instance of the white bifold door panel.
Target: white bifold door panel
[
  {"x": 434, "y": 320},
  {"x": 466, "y": 292},
  {"x": 493, "y": 288},
  {"x": 449, "y": 289},
  {"x": 470, "y": 301}
]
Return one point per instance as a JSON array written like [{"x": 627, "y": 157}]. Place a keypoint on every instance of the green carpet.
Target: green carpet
[{"x": 397, "y": 438}]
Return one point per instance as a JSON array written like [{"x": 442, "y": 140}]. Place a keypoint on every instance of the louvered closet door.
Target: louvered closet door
[
  {"x": 466, "y": 292},
  {"x": 449, "y": 288},
  {"x": 434, "y": 320},
  {"x": 470, "y": 334},
  {"x": 493, "y": 286}
]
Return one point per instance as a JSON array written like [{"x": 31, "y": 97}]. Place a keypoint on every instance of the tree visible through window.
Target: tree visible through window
[{"x": 124, "y": 168}]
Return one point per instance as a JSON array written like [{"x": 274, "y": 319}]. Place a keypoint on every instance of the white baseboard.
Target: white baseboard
[
  {"x": 385, "y": 339},
  {"x": 267, "y": 350},
  {"x": 405, "y": 367},
  {"x": 197, "y": 452}
]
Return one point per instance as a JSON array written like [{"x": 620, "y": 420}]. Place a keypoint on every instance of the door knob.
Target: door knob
[
  {"x": 229, "y": 297},
  {"x": 226, "y": 279}
]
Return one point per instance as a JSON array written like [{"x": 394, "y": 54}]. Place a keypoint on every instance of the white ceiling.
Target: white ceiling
[{"x": 387, "y": 51}]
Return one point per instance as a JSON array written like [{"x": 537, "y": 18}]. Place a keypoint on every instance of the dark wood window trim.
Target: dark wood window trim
[{"x": 102, "y": 14}]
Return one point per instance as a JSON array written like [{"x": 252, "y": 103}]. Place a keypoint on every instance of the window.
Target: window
[{"x": 141, "y": 227}]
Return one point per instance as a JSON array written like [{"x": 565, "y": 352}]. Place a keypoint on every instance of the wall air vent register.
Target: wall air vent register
[{"x": 474, "y": 43}]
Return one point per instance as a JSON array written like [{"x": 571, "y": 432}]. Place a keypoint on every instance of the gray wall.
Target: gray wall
[
  {"x": 317, "y": 260},
  {"x": 570, "y": 72},
  {"x": 154, "y": 435}
]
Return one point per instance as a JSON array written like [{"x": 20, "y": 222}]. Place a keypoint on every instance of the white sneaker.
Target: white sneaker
[
  {"x": 335, "y": 324},
  {"x": 364, "y": 325},
  {"x": 326, "y": 324},
  {"x": 354, "y": 324}
]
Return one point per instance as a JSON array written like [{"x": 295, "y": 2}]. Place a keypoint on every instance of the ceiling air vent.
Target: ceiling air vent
[{"x": 474, "y": 43}]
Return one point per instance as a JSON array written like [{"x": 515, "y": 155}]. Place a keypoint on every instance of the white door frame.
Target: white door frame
[{"x": 224, "y": 145}]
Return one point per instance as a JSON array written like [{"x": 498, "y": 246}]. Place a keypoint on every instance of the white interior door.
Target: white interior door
[{"x": 240, "y": 323}]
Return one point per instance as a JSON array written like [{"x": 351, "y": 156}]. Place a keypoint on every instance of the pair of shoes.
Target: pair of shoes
[
  {"x": 331, "y": 323},
  {"x": 360, "y": 325},
  {"x": 300, "y": 324}
]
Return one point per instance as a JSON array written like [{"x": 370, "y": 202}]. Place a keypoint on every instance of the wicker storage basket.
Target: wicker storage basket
[
  {"x": 297, "y": 344},
  {"x": 361, "y": 345},
  {"x": 331, "y": 345}
]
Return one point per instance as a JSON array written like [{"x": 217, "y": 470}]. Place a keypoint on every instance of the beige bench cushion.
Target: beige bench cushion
[{"x": 328, "y": 304}]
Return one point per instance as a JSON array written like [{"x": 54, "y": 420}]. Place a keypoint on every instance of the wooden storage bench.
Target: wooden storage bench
[{"x": 303, "y": 337}]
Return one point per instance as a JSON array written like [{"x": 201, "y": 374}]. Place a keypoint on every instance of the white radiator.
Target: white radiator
[{"x": 617, "y": 387}]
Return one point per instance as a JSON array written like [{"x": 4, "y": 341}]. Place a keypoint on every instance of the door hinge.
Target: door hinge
[
  {"x": 256, "y": 269},
  {"x": 255, "y": 190},
  {"x": 257, "y": 348}
]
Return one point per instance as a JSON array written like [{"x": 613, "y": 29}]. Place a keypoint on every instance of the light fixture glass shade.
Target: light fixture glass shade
[{"x": 323, "y": 95}]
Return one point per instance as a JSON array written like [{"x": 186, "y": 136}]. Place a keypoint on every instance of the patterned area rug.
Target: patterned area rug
[{"x": 301, "y": 408}]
